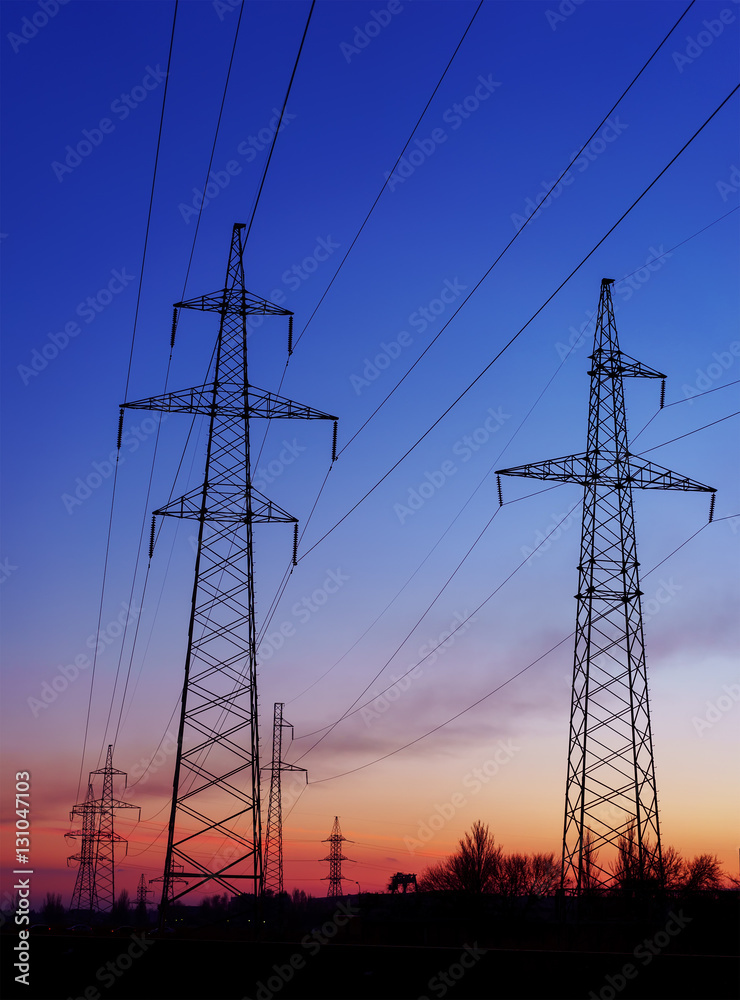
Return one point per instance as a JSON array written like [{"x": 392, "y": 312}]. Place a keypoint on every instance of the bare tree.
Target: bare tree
[
  {"x": 703, "y": 873},
  {"x": 674, "y": 869},
  {"x": 473, "y": 868}
]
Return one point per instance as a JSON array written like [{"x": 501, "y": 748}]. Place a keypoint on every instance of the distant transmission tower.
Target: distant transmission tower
[
  {"x": 273, "y": 866},
  {"x": 142, "y": 893},
  {"x": 611, "y": 793},
  {"x": 95, "y": 885},
  {"x": 216, "y": 784},
  {"x": 335, "y": 859}
]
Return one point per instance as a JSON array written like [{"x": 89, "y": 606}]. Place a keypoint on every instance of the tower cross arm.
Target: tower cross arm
[
  {"x": 233, "y": 301},
  {"x": 649, "y": 476},
  {"x": 610, "y": 469},
  {"x": 618, "y": 364},
  {"x": 228, "y": 400},
  {"x": 568, "y": 469}
]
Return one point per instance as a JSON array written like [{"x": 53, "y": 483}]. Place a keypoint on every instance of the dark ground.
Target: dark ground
[{"x": 393, "y": 948}]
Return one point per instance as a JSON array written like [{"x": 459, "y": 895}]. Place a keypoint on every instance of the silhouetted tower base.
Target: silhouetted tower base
[
  {"x": 611, "y": 799},
  {"x": 273, "y": 866},
  {"x": 335, "y": 859}
]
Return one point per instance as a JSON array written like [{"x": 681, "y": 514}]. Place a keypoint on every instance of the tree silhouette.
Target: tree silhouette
[
  {"x": 473, "y": 868},
  {"x": 703, "y": 873},
  {"x": 53, "y": 910}
]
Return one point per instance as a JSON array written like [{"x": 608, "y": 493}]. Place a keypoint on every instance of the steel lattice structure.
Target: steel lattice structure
[
  {"x": 95, "y": 883},
  {"x": 611, "y": 798},
  {"x": 335, "y": 859},
  {"x": 84, "y": 896},
  {"x": 273, "y": 862},
  {"x": 215, "y": 821},
  {"x": 142, "y": 893}
]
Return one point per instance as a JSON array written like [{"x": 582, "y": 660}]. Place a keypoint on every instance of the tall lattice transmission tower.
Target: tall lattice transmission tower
[
  {"x": 273, "y": 864},
  {"x": 84, "y": 896},
  {"x": 216, "y": 783},
  {"x": 335, "y": 859},
  {"x": 95, "y": 884},
  {"x": 611, "y": 798}
]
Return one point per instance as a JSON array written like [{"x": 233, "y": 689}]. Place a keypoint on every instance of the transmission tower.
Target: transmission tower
[
  {"x": 335, "y": 859},
  {"x": 84, "y": 897},
  {"x": 142, "y": 893},
  {"x": 273, "y": 865},
  {"x": 95, "y": 884},
  {"x": 611, "y": 798},
  {"x": 216, "y": 783}
]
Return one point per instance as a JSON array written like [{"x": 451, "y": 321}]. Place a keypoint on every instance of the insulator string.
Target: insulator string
[{"x": 120, "y": 429}]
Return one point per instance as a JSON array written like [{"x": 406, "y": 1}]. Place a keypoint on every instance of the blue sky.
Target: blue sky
[{"x": 525, "y": 91}]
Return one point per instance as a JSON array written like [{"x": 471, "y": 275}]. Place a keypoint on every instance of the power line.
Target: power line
[
  {"x": 523, "y": 328},
  {"x": 503, "y": 684},
  {"x": 213, "y": 147},
  {"x": 689, "y": 433},
  {"x": 128, "y": 378},
  {"x": 385, "y": 182},
  {"x": 280, "y": 120},
  {"x": 519, "y": 231}
]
